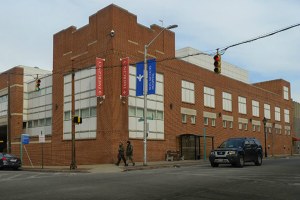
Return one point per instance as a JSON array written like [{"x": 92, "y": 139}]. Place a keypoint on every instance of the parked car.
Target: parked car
[
  {"x": 9, "y": 161},
  {"x": 237, "y": 151}
]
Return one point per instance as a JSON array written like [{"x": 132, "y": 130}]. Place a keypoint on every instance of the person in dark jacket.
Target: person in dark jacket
[
  {"x": 121, "y": 154},
  {"x": 129, "y": 153}
]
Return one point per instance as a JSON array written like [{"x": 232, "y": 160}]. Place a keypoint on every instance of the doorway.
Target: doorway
[
  {"x": 195, "y": 147},
  {"x": 3, "y": 138},
  {"x": 190, "y": 146}
]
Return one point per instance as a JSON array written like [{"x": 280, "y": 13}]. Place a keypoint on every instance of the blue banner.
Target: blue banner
[
  {"x": 151, "y": 76},
  {"x": 140, "y": 79}
]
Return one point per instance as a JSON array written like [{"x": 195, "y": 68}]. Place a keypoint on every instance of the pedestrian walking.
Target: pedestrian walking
[
  {"x": 121, "y": 154},
  {"x": 129, "y": 153}
]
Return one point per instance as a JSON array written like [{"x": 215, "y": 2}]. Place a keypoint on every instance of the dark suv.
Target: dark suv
[{"x": 237, "y": 151}]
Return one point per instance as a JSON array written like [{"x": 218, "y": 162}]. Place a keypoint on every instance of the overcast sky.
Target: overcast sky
[{"x": 27, "y": 28}]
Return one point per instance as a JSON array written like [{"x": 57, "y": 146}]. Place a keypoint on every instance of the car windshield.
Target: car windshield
[
  {"x": 9, "y": 155},
  {"x": 232, "y": 144}
]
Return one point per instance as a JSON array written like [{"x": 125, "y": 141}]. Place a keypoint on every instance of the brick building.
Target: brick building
[{"x": 190, "y": 102}]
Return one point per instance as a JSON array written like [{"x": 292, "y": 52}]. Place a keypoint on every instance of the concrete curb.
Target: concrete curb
[{"x": 111, "y": 168}]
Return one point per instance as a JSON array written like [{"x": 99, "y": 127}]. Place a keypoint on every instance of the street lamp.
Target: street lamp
[
  {"x": 265, "y": 132},
  {"x": 146, "y": 89}
]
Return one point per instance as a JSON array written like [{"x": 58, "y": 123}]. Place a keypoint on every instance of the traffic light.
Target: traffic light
[
  {"x": 217, "y": 63},
  {"x": 37, "y": 84},
  {"x": 77, "y": 120}
]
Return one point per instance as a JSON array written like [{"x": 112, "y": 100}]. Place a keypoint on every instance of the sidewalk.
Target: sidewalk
[{"x": 112, "y": 168}]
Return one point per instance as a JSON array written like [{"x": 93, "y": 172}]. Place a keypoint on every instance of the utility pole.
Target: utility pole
[{"x": 73, "y": 163}]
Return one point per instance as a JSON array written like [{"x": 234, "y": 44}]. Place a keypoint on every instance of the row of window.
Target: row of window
[
  {"x": 229, "y": 124},
  {"x": 35, "y": 94},
  {"x": 83, "y": 113},
  {"x": 188, "y": 96},
  {"x": 151, "y": 114},
  {"x": 40, "y": 122}
]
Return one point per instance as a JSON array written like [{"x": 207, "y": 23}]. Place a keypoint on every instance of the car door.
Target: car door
[
  {"x": 253, "y": 150},
  {"x": 247, "y": 151}
]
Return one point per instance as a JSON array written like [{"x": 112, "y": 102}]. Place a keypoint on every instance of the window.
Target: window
[
  {"x": 41, "y": 122},
  {"x": 240, "y": 126},
  {"x": 227, "y": 101},
  {"x": 209, "y": 97},
  {"x": 255, "y": 108},
  {"x": 258, "y": 128},
  {"x": 286, "y": 116},
  {"x": 151, "y": 114},
  {"x": 140, "y": 112},
  {"x": 160, "y": 115},
  {"x": 205, "y": 120},
  {"x": 67, "y": 115},
  {"x": 213, "y": 122},
  {"x": 230, "y": 124},
  {"x": 279, "y": 130},
  {"x": 224, "y": 123},
  {"x": 242, "y": 105},
  {"x": 183, "y": 118},
  {"x": 267, "y": 111},
  {"x": 253, "y": 127},
  {"x": 48, "y": 121},
  {"x": 285, "y": 93},
  {"x": 277, "y": 114},
  {"x": 193, "y": 119},
  {"x": 29, "y": 124},
  {"x": 35, "y": 123},
  {"x": 76, "y": 112},
  {"x": 93, "y": 111},
  {"x": 246, "y": 127},
  {"x": 85, "y": 113},
  {"x": 187, "y": 92}
]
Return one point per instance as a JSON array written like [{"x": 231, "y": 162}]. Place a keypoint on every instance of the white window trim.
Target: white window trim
[
  {"x": 209, "y": 97},
  {"x": 242, "y": 104}
]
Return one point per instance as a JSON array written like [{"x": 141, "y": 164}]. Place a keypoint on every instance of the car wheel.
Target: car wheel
[
  {"x": 214, "y": 164},
  {"x": 241, "y": 161},
  {"x": 258, "y": 161}
]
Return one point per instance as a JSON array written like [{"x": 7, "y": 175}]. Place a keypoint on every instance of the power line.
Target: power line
[
  {"x": 259, "y": 37},
  {"x": 208, "y": 53}
]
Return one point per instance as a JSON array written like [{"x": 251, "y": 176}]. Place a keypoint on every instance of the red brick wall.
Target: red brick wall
[
  {"x": 94, "y": 40},
  {"x": 14, "y": 78}
]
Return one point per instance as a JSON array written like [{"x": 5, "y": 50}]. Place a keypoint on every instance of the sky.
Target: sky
[{"x": 27, "y": 29}]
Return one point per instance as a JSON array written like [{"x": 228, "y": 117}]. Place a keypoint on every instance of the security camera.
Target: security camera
[{"x": 112, "y": 33}]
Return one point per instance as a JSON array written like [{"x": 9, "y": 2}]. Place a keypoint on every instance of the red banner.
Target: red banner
[
  {"x": 125, "y": 76},
  {"x": 99, "y": 77}
]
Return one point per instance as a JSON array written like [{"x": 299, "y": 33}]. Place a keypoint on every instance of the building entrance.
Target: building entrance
[
  {"x": 194, "y": 147},
  {"x": 3, "y": 138}
]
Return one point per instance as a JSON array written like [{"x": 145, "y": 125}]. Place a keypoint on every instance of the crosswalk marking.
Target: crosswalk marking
[{"x": 20, "y": 175}]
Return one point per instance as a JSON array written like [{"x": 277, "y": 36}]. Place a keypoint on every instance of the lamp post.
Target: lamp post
[
  {"x": 146, "y": 89},
  {"x": 265, "y": 132}
]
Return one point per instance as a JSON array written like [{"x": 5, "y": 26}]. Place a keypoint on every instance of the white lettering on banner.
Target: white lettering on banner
[{"x": 99, "y": 77}]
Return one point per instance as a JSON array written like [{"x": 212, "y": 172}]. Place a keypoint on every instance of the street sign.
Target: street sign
[
  {"x": 25, "y": 138},
  {"x": 42, "y": 138}
]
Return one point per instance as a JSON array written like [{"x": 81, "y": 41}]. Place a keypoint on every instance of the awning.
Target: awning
[{"x": 295, "y": 139}]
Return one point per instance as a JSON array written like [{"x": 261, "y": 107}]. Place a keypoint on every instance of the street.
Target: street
[{"x": 275, "y": 179}]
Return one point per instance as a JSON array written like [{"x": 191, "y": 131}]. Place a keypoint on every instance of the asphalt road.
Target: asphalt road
[{"x": 275, "y": 179}]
